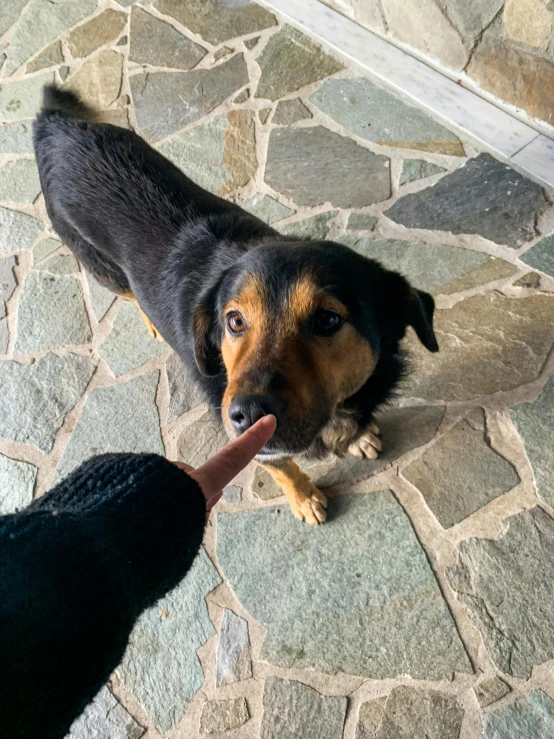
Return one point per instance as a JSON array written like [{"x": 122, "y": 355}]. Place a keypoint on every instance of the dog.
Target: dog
[{"x": 307, "y": 330}]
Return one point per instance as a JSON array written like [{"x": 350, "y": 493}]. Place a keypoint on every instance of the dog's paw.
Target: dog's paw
[
  {"x": 368, "y": 445},
  {"x": 311, "y": 508}
]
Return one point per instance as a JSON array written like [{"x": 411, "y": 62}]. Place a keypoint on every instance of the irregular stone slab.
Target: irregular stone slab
[
  {"x": 471, "y": 19},
  {"x": 44, "y": 248},
  {"x": 168, "y": 101},
  {"x": 157, "y": 43},
  {"x": 488, "y": 343},
  {"x": 120, "y": 418},
  {"x": 201, "y": 439},
  {"x": 95, "y": 33},
  {"x": 22, "y": 99},
  {"x": 263, "y": 114},
  {"x": 36, "y": 397},
  {"x": 251, "y": 42},
  {"x": 356, "y": 102},
  {"x": 160, "y": 666},
  {"x": 491, "y": 270},
  {"x": 218, "y": 20},
  {"x": 461, "y": 473},
  {"x": 232, "y": 494},
  {"x": 532, "y": 718},
  {"x": 361, "y": 222},
  {"x": 8, "y": 282},
  {"x": 42, "y": 22},
  {"x": 99, "y": 80},
  {"x": 60, "y": 265},
  {"x": 184, "y": 393},
  {"x": 101, "y": 299},
  {"x": 219, "y": 155},
  {"x": 16, "y": 138},
  {"x": 506, "y": 585},
  {"x": 289, "y": 112},
  {"x": 528, "y": 22},
  {"x": 410, "y": 713},
  {"x": 417, "y": 169},
  {"x": 242, "y": 96},
  {"x": 107, "y": 718},
  {"x": 314, "y": 227},
  {"x": 266, "y": 208},
  {"x": 63, "y": 72},
  {"x": 484, "y": 197},
  {"x": 17, "y": 231},
  {"x": 17, "y": 482},
  {"x": 290, "y": 60},
  {"x": 535, "y": 423},
  {"x": 11, "y": 10},
  {"x": 218, "y": 716},
  {"x": 541, "y": 256},
  {"x": 51, "y": 313},
  {"x": 234, "y": 661},
  {"x": 490, "y": 691},
  {"x": 300, "y": 711},
  {"x": 516, "y": 76},
  {"x": 530, "y": 280},
  {"x": 116, "y": 117},
  {"x": 299, "y": 161},
  {"x": 50, "y": 57},
  {"x": 128, "y": 345},
  {"x": 220, "y": 53},
  {"x": 4, "y": 337},
  {"x": 264, "y": 486},
  {"x": 379, "y": 619},
  {"x": 428, "y": 29}
]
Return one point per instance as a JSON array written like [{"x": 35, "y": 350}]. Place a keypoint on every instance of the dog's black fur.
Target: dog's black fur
[{"x": 139, "y": 225}]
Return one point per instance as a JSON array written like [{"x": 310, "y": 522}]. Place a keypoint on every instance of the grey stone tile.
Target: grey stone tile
[
  {"x": 44, "y": 248},
  {"x": 63, "y": 264},
  {"x": 129, "y": 344},
  {"x": 218, "y": 20},
  {"x": 371, "y": 609},
  {"x": 101, "y": 298},
  {"x": 167, "y": 101},
  {"x": 19, "y": 181},
  {"x": 223, "y": 51},
  {"x": 506, "y": 586},
  {"x": 7, "y": 282},
  {"x": 120, "y": 418},
  {"x": 234, "y": 660},
  {"x": 361, "y": 222},
  {"x": 42, "y": 22},
  {"x": 490, "y": 691},
  {"x": 51, "y": 313},
  {"x": 116, "y": 117},
  {"x": 250, "y": 43},
  {"x": 96, "y": 32},
  {"x": 36, "y": 397},
  {"x": 472, "y": 18},
  {"x": 263, "y": 114},
  {"x": 242, "y": 96},
  {"x": 532, "y": 718},
  {"x": 314, "y": 227},
  {"x": 157, "y": 43},
  {"x": 10, "y": 13},
  {"x": 488, "y": 343},
  {"x": 105, "y": 718},
  {"x": 17, "y": 482},
  {"x": 184, "y": 392},
  {"x": 300, "y": 712},
  {"x": 484, "y": 197},
  {"x": 299, "y": 161},
  {"x": 17, "y": 231},
  {"x": 290, "y": 60},
  {"x": 530, "y": 280},
  {"x": 16, "y": 138},
  {"x": 22, "y": 99},
  {"x": 417, "y": 169},
  {"x": 50, "y": 57},
  {"x": 201, "y": 439},
  {"x": 160, "y": 666},
  {"x": 99, "y": 80},
  {"x": 264, "y": 486},
  {"x": 541, "y": 256},
  {"x": 225, "y": 715},
  {"x": 232, "y": 494},
  {"x": 535, "y": 423},
  {"x": 289, "y": 112},
  {"x": 461, "y": 473},
  {"x": 266, "y": 208},
  {"x": 411, "y": 713},
  {"x": 4, "y": 337},
  {"x": 378, "y": 115}
]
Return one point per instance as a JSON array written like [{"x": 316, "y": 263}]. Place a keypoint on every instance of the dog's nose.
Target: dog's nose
[{"x": 245, "y": 410}]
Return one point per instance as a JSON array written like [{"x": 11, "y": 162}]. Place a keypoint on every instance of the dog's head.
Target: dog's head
[{"x": 300, "y": 327}]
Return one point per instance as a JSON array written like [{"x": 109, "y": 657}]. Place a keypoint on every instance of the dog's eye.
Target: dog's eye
[
  {"x": 235, "y": 323},
  {"x": 326, "y": 322}
]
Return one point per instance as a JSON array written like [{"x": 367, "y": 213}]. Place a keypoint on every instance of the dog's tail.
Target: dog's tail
[{"x": 67, "y": 104}]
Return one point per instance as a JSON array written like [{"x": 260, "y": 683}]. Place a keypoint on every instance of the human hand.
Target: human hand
[{"x": 218, "y": 471}]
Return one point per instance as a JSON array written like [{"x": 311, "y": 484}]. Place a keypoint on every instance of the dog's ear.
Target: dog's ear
[
  {"x": 421, "y": 308},
  {"x": 206, "y": 335}
]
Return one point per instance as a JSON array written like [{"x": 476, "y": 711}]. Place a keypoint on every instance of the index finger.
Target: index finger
[{"x": 218, "y": 471}]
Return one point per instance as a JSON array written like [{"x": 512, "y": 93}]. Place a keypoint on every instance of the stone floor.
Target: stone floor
[{"x": 425, "y": 606}]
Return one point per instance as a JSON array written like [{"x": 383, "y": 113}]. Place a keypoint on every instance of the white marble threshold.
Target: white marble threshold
[{"x": 504, "y": 135}]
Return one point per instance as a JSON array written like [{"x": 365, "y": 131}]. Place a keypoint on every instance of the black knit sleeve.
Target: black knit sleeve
[{"x": 76, "y": 570}]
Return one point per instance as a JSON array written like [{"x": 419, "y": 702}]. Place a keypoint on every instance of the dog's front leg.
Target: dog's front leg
[{"x": 306, "y": 501}]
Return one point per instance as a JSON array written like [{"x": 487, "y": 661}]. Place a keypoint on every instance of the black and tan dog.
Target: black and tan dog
[{"x": 307, "y": 330}]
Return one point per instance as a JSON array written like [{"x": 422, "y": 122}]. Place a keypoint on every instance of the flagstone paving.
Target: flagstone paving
[{"x": 423, "y": 608}]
